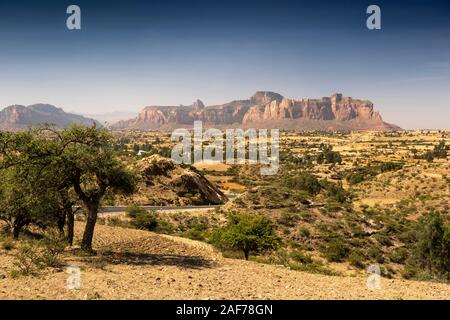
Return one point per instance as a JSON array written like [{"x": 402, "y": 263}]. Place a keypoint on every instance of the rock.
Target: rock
[
  {"x": 266, "y": 109},
  {"x": 162, "y": 182}
]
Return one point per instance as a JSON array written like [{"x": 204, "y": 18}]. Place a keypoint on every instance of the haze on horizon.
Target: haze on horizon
[{"x": 130, "y": 54}]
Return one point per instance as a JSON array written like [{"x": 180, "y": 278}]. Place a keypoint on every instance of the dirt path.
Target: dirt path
[{"x": 136, "y": 264}]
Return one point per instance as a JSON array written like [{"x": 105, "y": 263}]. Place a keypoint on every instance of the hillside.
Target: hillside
[{"x": 134, "y": 264}]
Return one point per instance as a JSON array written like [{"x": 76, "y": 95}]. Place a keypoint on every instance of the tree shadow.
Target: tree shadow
[{"x": 141, "y": 259}]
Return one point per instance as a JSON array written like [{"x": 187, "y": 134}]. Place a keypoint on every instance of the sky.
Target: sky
[{"x": 131, "y": 54}]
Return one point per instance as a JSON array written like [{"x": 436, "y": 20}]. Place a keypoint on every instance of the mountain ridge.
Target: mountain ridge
[
  {"x": 17, "y": 117},
  {"x": 266, "y": 109}
]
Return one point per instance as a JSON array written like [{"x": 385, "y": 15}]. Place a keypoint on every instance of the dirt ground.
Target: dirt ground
[{"x": 134, "y": 264}]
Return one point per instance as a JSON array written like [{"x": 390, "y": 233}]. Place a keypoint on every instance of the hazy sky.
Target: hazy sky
[{"x": 130, "y": 54}]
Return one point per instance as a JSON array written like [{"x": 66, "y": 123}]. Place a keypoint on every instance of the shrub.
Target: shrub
[
  {"x": 432, "y": 250},
  {"x": 356, "y": 259},
  {"x": 196, "y": 231},
  {"x": 336, "y": 251},
  {"x": 376, "y": 254},
  {"x": 306, "y": 182},
  {"x": 28, "y": 259},
  {"x": 399, "y": 255},
  {"x": 145, "y": 220},
  {"x": 300, "y": 257},
  {"x": 304, "y": 232},
  {"x": 134, "y": 210},
  {"x": 8, "y": 245},
  {"x": 288, "y": 219},
  {"x": 246, "y": 233},
  {"x": 54, "y": 246}
]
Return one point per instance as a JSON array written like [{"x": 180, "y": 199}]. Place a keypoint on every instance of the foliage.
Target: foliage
[
  {"x": 336, "y": 250},
  {"x": 247, "y": 233},
  {"x": 431, "y": 252},
  {"x": 306, "y": 182}
]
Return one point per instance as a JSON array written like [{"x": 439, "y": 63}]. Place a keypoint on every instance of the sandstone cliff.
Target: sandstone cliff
[{"x": 266, "y": 109}]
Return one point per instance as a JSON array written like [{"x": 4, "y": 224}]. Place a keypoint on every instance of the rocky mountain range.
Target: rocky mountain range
[
  {"x": 18, "y": 117},
  {"x": 266, "y": 109}
]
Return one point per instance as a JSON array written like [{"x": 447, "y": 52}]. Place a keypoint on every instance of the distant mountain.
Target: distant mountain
[
  {"x": 266, "y": 109},
  {"x": 20, "y": 117},
  {"x": 111, "y": 117}
]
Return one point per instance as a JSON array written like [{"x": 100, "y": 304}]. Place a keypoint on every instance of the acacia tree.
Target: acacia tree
[
  {"x": 247, "y": 233},
  {"x": 47, "y": 167},
  {"x": 94, "y": 170},
  {"x": 23, "y": 198}
]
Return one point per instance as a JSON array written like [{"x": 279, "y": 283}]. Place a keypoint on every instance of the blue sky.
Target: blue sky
[{"x": 130, "y": 54}]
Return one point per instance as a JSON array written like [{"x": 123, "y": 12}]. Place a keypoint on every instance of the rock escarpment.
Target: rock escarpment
[{"x": 266, "y": 109}]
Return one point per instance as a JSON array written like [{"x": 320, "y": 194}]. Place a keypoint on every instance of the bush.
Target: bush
[
  {"x": 8, "y": 245},
  {"x": 54, "y": 246},
  {"x": 34, "y": 256},
  {"x": 306, "y": 182},
  {"x": 376, "y": 254},
  {"x": 134, "y": 210},
  {"x": 357, "y": 259},
  {"x": 336, "y": 251},
  {"x": 145, "y": 221},
  {"x": 246, "y": 233},
  {"x": 28, "y": 259},
  {"x": 196, "y": 231},
  {"x": 288, "y": 219},
  {"x": 399, "y": 255},
  {"x": 432, "y": 250},
  {"x": 300, "y": 257},
  {"x": 304, "y": 232}
]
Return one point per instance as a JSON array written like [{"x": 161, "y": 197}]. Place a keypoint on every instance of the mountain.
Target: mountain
[
  {"x": 266, "y": 109},
  {"x": 110, "y": 117},
  {"x": 20, "y": 117}
]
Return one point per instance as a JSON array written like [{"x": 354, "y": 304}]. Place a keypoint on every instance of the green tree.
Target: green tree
[
  {"x": 88, "y": 153},
  {"x": 247, "y": 233},
  {"x": 433, "y": 245},
  {"x": 306, "y": 182},
  {"x": 27, "y": 194}
]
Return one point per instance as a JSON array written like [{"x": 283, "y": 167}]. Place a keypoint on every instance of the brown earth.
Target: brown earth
[{"x": 134, "y": 264}]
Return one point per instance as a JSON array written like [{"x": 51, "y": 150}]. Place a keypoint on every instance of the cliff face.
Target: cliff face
[
  {"x": 19, "y": 117},
  {"x": 267, "y": 109}
]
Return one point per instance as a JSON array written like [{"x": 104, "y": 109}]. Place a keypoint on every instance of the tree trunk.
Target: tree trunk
[
  {"x": 246, "y": 254},
  {"x": 62, "y": 222},
  {"x": 88, "y": 235},
  {"x": 16, "y": 231},
  {"x": 70, "y": 226},
  {"x": 18, "y": 224}
]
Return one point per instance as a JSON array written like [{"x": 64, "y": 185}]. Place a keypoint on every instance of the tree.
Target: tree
[
  {"x": 306, "y": 182},
  {"x": 46, "y": 170},
  {"x": 94, "y": 170},
  {"x": 247, "y": 233},
  {"x": 22, "y": 170},
  {"x": 433, "y": 245}
]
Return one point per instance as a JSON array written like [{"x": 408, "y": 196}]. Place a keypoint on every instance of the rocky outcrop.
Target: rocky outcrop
[
  {"x": 19, "y": 117},
  {"x": 267, "y": 109},
  {"x": 162, "y": 182}
]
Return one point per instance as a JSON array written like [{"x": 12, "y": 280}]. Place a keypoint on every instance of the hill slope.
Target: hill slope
[{"x": 144, "y": 265}]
